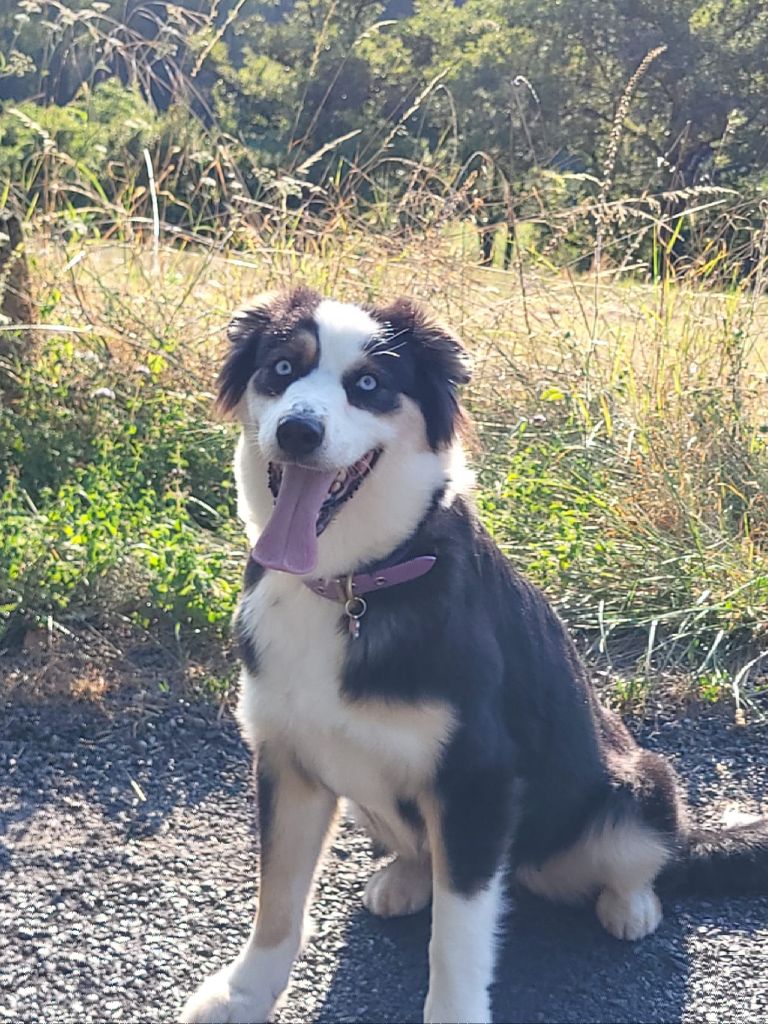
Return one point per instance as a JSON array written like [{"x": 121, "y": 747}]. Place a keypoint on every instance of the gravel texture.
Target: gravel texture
[{"x": 126, "y": 862}]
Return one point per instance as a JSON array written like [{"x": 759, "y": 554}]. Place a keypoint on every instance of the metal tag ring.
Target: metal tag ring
[{"x": 355, "y": 608}]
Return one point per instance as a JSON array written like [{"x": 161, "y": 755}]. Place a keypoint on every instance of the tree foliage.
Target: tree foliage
[{"x": 500, "y": 98}]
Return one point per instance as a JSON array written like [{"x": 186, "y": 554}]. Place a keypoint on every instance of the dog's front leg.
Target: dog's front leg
[
  {"x": 468, "y": 877},
  {"x": 295, "y": 816}
]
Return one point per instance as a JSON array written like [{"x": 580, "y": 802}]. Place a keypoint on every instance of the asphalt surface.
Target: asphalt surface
[{"x": 126, "y": 874}]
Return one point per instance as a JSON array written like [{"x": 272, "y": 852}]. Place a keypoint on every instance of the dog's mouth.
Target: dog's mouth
[
  {"x": 343, "y": 485},
  {"x": 306, "y": 500}
]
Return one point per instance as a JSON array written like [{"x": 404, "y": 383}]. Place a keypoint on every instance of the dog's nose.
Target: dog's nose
[{"x": 300, "y": 434}]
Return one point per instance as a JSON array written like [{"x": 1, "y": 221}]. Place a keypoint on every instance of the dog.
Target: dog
[{"x": 392, "y": 657}]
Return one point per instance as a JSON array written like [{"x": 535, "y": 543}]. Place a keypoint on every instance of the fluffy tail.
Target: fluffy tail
[{"x": 721, "y": 861}]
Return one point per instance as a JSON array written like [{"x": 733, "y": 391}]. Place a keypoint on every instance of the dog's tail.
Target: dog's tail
[{"x": 726, "y": 861}]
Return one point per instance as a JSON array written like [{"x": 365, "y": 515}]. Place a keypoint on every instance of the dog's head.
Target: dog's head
[{"x": 330, "y": 393}]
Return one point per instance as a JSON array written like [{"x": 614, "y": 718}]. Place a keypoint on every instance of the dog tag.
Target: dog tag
[{"x": 355, "y": 608}]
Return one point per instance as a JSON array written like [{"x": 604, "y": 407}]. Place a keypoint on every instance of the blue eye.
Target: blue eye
[
  {"x": 283, "y": 367},
  {"x": 367, "y": 382}
]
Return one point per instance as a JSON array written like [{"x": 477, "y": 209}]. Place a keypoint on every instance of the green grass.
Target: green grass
[{"x": 621, "y": 445}]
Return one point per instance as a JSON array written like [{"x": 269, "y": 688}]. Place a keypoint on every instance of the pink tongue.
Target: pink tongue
[{"x": 289, "y": 540}]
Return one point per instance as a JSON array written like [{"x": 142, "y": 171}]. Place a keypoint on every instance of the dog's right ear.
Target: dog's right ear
[{"x": 245, "y": 331}]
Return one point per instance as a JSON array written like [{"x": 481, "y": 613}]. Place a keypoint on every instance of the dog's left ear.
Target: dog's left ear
[{"x": 441, "y": 365}]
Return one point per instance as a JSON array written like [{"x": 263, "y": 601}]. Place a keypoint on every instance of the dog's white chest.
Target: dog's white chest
[{"x": 373, "y": 752}]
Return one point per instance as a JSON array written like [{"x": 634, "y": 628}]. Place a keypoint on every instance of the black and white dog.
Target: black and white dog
[{"x": 392, "y": 657}]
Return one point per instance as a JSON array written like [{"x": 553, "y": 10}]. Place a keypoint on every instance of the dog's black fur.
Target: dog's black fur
[{"x": 475, "y": 632}]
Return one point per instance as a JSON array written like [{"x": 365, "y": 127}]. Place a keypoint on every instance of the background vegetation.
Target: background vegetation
[{"x": 578, "y": 187}]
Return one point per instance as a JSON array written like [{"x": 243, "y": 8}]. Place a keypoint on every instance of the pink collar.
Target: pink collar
[{"x": 364, "y": 582}]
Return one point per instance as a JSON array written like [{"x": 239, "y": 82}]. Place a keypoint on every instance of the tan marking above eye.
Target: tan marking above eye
[
  {"x": 304, "y": 342},
  {"x": 300, "y": 349}
]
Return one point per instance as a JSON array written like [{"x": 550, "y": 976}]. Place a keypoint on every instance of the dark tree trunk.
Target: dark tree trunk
[
  {"x": 487, "y": 232},
  {"x": 15, "y": 299}
]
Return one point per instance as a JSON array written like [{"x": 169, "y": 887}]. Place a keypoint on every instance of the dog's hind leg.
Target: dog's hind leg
[
  {"x": 295, "y": 817},
  {"x": 638, "y": 843},
  {"x": 631, "y": 857},
  {"x": 621, "y": 853},
  {"x": 402, "y": 887},
  {"x": 618, "y": 863}
]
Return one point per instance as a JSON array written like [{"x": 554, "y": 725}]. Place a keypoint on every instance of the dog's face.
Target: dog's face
[{"x": 326, "y": 391}]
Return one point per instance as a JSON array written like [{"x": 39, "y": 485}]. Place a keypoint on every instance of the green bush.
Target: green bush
[{"x": 116, "y": 496}]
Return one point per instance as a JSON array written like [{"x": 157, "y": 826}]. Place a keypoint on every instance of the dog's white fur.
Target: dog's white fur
[
  {"x": 619, "y": 862},
  {"x": 462, "y": 953},
  {"x": 365, "y": 752}
]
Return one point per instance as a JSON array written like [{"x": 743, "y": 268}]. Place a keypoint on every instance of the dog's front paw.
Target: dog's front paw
[
  {"x": 402, "y": 887},
  {"x": 445, "y": 1008},
  {"x": 228, "y": 997}
]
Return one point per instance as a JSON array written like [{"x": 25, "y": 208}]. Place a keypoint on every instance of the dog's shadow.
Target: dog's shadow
[{"x": 555, "y": 965}]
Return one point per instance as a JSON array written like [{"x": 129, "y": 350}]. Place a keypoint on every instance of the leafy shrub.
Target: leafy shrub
[{"x": 116, "y": 495}]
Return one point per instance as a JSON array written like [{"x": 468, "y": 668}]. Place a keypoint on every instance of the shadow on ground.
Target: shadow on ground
[
  {"x": 555, "y": 965},
  {"x": 133, "y": 764}
]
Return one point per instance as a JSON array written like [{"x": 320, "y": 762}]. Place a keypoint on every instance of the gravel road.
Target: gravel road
[{"x": 126, "y": 863}]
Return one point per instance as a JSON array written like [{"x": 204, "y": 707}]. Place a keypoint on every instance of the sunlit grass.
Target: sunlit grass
[{"x": 622, "y": 455}]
